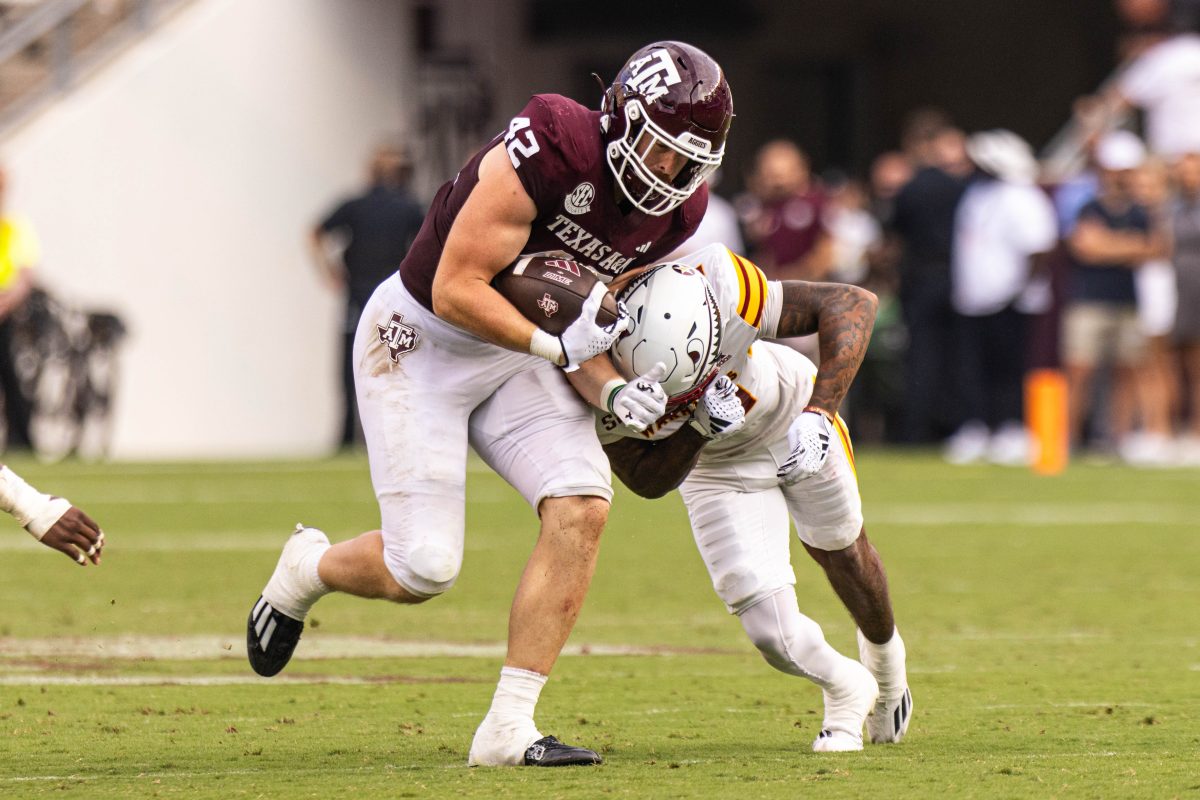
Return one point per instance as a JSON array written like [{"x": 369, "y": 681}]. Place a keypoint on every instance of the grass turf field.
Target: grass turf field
[{"x": 1050, "y": 623}]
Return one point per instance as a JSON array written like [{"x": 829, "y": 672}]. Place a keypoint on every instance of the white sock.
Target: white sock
[
  {"x": 311, "y": 587},
  {"x": 886, "y": 662},
  {"x": 296, "y": 585},
  {"x": 516, "y": 694}
]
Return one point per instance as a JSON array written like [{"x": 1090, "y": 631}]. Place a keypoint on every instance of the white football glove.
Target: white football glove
[
  {"x": 719, "y": 412},
  {"x": 584, "y": 338},
  {"x": 810, "y": 435},
  {"x": 639, "y": 403}
]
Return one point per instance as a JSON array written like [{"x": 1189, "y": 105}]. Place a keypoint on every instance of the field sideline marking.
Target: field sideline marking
[
  {"x": 902, "y": 515},
  {"x": 198, "y": 680},
  {"x": 388, "y": 768},
  {"x": 206, "y": 648}
]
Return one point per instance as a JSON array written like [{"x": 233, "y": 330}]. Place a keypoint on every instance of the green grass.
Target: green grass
[{"x": 1050, "y": 623}]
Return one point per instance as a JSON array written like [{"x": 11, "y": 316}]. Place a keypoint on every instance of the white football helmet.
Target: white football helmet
[{"x": 676, "y": 321}]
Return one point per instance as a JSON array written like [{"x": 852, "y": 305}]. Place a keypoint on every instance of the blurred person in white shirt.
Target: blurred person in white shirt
[
  {"x": 1003, "y": 222},
  {"x": 1163, "y": 75}
]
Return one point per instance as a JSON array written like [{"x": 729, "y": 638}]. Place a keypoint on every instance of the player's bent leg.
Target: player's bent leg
[
  {"x": 547, "y": 603},
  {"x": 358, "y": 567},
  {"x": 540, "y": 437},
  {"x": 794, "y": 644},
  {"x": 857, "y": 575},
  {"x": 277, "y": 618},
  {"x": 827, "y": 511}
]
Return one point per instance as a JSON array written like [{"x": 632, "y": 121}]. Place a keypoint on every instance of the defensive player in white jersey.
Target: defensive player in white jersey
[{"x": 752, "y": 437}]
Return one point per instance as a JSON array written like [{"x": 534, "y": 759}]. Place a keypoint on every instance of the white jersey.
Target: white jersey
[{"x": 774, "y": 382}]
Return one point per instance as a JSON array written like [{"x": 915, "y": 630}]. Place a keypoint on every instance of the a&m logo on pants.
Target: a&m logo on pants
[{"x": 399, "y": 337}]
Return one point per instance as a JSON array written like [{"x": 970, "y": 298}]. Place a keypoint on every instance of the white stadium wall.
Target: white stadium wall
[{"x": 177, "y": 186}]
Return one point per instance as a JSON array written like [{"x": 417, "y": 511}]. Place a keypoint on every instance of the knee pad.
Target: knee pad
[
  {"x": 789, "y": 641},
  {"x": 427, "y": 571}
]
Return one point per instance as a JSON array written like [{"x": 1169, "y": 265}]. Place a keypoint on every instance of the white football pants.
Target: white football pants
[{"x": 425, "y": 390}]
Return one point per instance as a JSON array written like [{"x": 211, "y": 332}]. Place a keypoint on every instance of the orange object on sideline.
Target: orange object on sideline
[{"x": 1046, "y": 417}]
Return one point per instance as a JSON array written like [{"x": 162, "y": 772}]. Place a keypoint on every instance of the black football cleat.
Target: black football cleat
[
  {"x": 271, "y": 638},
  {"x": 550, "y": 752}
]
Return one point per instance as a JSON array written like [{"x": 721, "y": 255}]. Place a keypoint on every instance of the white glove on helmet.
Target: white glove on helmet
[
  {"x": 639, "y": 403},
  {"x": 719, "y": 413},
  {"x": 810, "y": 435}
]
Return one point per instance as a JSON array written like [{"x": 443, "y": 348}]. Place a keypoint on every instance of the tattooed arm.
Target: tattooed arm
[
  {"x": 842, "y": 316},
  {"x": 652, "y": 469}
]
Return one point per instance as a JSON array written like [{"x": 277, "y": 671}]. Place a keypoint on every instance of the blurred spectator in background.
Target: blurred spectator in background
[
  {"x": 1162, "y": 76},
  {"x": 1111, "y": 238},
  {"x": 783, "y": 216},
  {"x": 374, "y": 231},
  {"x": 1185, "y": 233},
  {"x": 875, "y": 401},
  {"x": 922, "y": 223},
  {"x": 719, "y": 225},
  {"x": 853, "y": 229},
  {"x": 19, "y": 256},
  {"x": 1154, "y": 287},
  {"x": 890, "y": 171},
  {"x": 1002, "y": 224}
]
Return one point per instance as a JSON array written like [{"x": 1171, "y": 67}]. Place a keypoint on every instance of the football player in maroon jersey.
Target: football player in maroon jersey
[{"x": 442, "y": 360}]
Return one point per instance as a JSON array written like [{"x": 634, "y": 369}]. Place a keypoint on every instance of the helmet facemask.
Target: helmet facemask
[{"x": 644, "y": 189}]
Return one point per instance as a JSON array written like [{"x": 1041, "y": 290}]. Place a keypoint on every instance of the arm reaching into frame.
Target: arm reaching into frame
[{"x": 53, "y": 521}]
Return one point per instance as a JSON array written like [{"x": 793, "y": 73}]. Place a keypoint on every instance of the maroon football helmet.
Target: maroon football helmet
[{"x": 669, "y": 94}]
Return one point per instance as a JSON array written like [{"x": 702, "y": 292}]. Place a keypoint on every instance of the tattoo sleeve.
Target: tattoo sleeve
[
  {"x": 842, "y": 316},
  {"x": 654, "y": 468}
]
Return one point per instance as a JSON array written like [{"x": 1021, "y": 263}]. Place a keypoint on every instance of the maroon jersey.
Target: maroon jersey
[
  {"x": 555, "y": 145},
  {"x": 790, "y": 230}
]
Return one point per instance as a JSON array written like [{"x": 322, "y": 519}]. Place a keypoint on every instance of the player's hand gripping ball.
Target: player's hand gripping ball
[
  {"x": 551, "y": 292},
  {"x": 567, "y": 301}
]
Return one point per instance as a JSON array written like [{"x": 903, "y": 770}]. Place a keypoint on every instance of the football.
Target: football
[{"x": 550, "y": 291}]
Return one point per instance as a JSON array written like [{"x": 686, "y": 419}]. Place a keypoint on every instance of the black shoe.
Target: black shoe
[
  {"x": 271, "y": 638},
  {"x": 550, "y": 752}
]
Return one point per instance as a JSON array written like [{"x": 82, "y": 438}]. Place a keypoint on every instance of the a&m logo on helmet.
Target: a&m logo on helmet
[
  {"x": 653, "y": 74},
  {"x": 579, "y": 201}
]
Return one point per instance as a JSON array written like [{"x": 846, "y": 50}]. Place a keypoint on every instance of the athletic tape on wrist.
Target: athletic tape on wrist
[
  {"x": 33, "y": 511},
  {"x": 609, "y": 393},
  {"x": 546, "y": 346}
]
